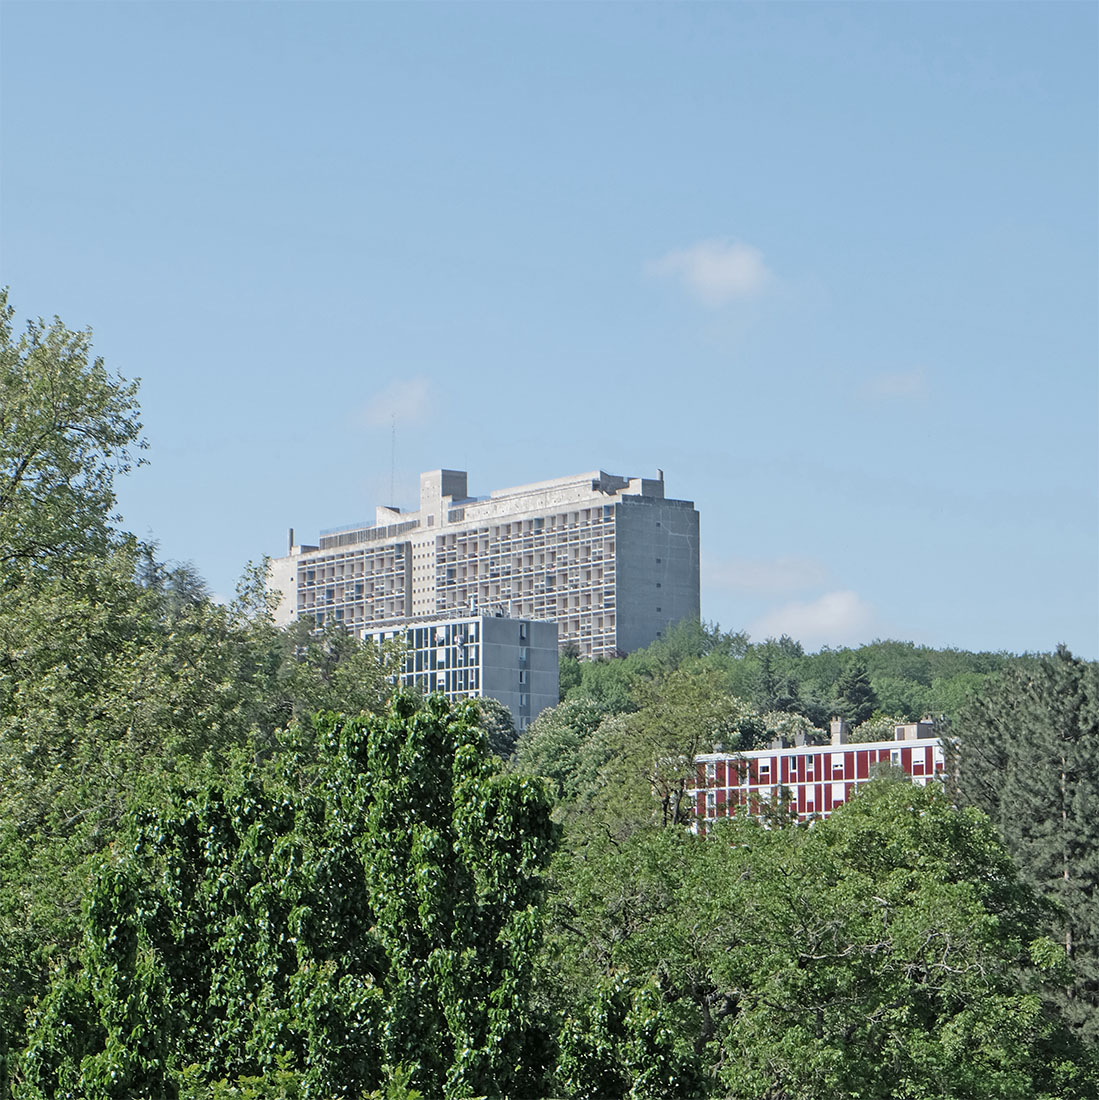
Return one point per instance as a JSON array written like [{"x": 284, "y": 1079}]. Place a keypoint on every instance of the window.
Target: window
[
  {"x": 711, "y": 772},
  {"x": 711, "y": 802}
]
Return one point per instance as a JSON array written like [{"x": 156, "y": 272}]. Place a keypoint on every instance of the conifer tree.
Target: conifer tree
[
  {"x": 855, "y": 696},
  {"x": 1028, "y": 755}
]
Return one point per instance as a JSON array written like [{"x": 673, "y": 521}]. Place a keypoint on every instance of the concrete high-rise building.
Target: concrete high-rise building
[{"x": 609, "y": 559}]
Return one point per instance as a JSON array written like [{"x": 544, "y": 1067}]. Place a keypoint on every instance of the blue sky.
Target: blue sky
[{"x": 834, "y": 268}]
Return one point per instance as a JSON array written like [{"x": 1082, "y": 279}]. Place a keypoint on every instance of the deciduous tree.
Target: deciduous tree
[
  {"x": 67, "y": 427},
  {"x": 387, "y": 915}
]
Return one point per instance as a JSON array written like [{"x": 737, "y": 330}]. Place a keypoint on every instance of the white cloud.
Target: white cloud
[
  {"x": 405, "y": 401},
  {"x": 768, "y": 576},
  {"x": 839, "y": 618},
  {"x": 716, "y": 271},
  {"x": 899, "y": 385}
]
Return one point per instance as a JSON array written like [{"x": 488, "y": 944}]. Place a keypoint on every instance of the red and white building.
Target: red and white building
[{"x": 817, "y": 778}]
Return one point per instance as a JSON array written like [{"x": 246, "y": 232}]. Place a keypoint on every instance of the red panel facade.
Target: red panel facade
[{"x": 815, "y": 777}]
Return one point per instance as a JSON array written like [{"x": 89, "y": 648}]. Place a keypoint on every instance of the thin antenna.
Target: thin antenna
[{"x": 393, "y": 463}]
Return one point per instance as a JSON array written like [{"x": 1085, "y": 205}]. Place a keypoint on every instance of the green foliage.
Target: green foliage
[
  {"x": 906, "y": 700},
  {"x": 1028, "y": 755},
  {"x": 882, "y": 727},
  {"x": 118, "y": 674},
  {"x": 646, "y": 757},
  {"x": 855, "y": 698},
  {"x": 499, "y": 726},
  {"x": 67, "y": 427},
  {"x": 386, "y": 916},
  {"x": 889, "y": 951},
  {"x": 780, "y": 723},
  {"x": 569, "y": 672},
  {"x": 329, "y": 668},
  {"x": 622, "y": 1045},
  {"x": 553, "y": 744}
]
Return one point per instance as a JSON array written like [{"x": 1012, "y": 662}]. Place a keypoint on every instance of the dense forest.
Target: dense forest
[{"x": 234, "y": 862}]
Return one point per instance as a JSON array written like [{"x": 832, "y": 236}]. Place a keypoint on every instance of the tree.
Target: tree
[
  {"x": 781, "y": 723},
  {"x": 553, "y": 744},
  {"x": 644, "y": 760},
  {"x": 105, "y": 684},
  {"x": 1028, "y": 755},
  {"x": 329, "y": 668},
  {"x": 622, "y": 1044},
  {"x": 387, "y": 915},
  {"x": 855, "y": 697},
  {"x": 116, "y": 674},
  {"x": 569, "y": 670},
  {"x": 67, "y": 427},
  {"x": 882, "y": 727},
  {"x": 891, "y": 950},
  {"x": 499, "y": 726}
]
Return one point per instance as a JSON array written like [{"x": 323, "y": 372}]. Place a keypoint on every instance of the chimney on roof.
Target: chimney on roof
[{"x": 839, "y": 731}]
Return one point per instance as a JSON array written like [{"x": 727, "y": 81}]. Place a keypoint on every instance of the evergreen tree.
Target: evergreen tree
[
  {"x": 856, "y": 700},
  {"x": 1028, "y": 755}
]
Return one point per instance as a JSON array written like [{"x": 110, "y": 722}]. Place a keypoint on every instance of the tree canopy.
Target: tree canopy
[
  {"x": 67, "y": 427},
  {"x": 231, "y": 865},
  {"x": 385, "y": 916},
  {"x": 1028, "y": 755}
]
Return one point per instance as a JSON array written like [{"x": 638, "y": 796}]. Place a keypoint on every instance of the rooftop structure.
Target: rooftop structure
[{"x": 609, "y": 559}]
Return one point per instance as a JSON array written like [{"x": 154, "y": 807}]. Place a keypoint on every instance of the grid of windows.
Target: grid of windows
[
  {"x": 816, "y": 779},
  {"x": 470, "y": 657},
  {"x": 442, "y": 657},
  {"x": 555, "y": 551},
  {"x": 354, "y": 586},
  {"x": 559, "y": 567}
]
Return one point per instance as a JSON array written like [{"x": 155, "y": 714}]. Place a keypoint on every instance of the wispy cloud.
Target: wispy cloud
[
  {"x": 781, "y": 576},
  {"x": 716, "y": 271},
  {"x": 897, "y": 386},
  {"x": 836, "y": 618},
  {"x": 406, "y": 401}
]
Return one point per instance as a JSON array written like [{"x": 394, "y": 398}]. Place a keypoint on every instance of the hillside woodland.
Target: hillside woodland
[{"x": 234, "y": 862}]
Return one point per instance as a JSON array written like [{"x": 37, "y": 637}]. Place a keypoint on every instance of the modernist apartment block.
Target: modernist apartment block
[
  {"x": 818, "y": 777},
  {"x": 473, "y": 656},
  {"x": 609, "y": 559}
]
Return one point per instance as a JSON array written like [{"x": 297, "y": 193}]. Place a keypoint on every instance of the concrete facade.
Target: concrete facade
[
  {"x": 476, "y": 656},
  {"x": 609, "y": 559}
]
